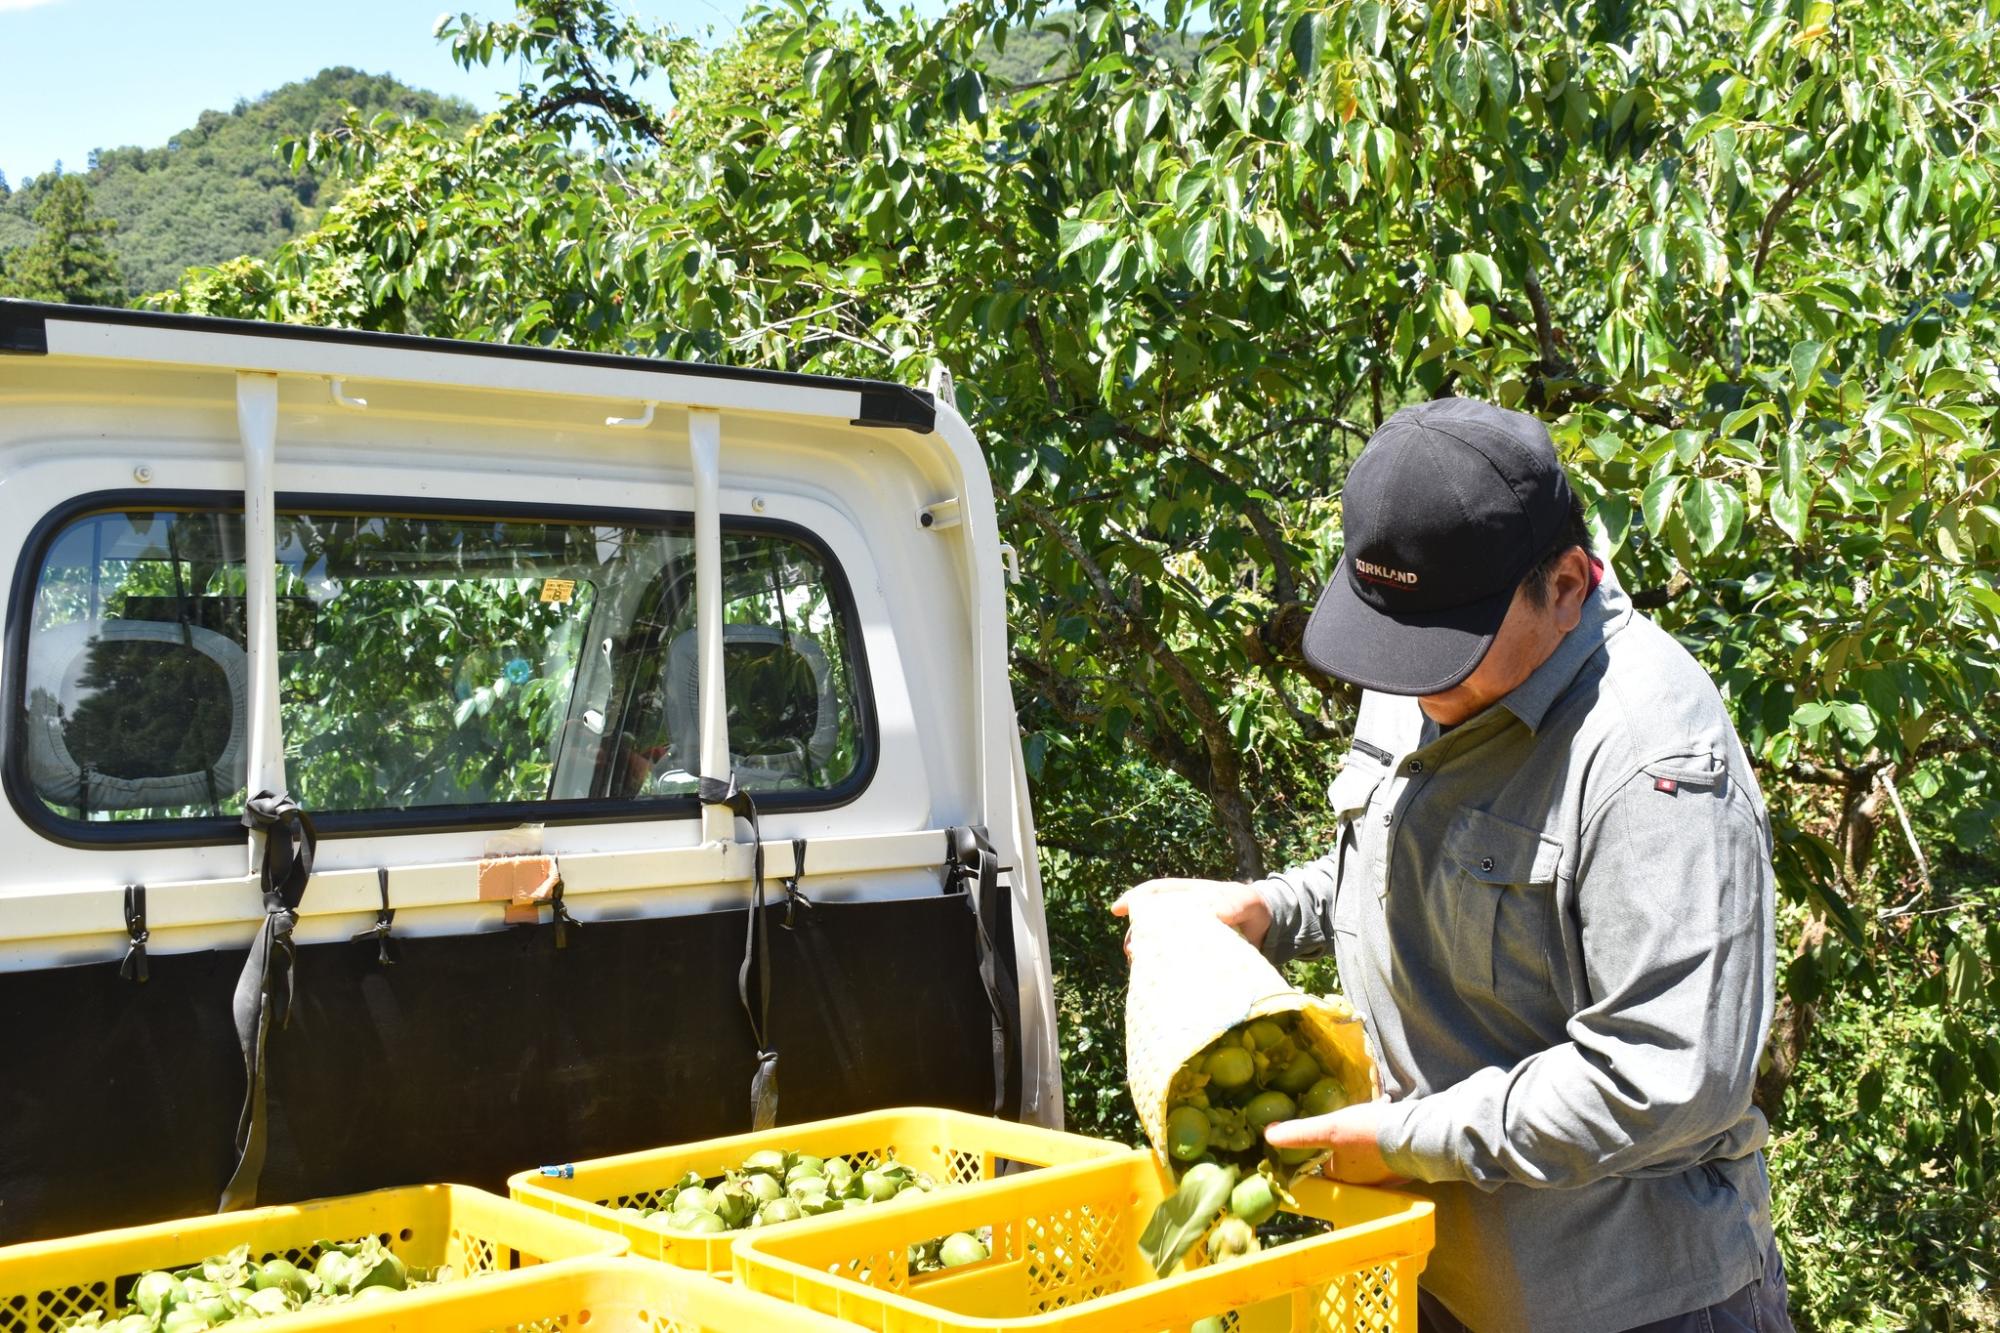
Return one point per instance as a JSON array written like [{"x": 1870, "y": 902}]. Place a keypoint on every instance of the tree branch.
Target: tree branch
[
  {"x": 1292, "y": 423},
  {"x": 1545, "y": 330},
  {"x": 1062, "y": 693},
  {"x": 1315, "y": 727},
  {"x": 1776, "y": 213},
  {"x": 613, "y": 105},
  {"x": 1043, "y": 361},
  {"x": 1225, "y": 776},
  {"x": 1284, "y": 576},
  {"x": 1652, "y": 599}
]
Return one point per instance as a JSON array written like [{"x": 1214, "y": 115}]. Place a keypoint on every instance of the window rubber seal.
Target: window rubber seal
[{"x": 210, "y": 832}]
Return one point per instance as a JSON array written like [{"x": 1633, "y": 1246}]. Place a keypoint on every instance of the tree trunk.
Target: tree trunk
[
  {"x": 1861, "y": 808},
  {"x": 1232, "y": 811},
  {"x": 1791, "y": 1029}
]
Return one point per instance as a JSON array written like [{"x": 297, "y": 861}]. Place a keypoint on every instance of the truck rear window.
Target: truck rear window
[{"x": 451, "y": 664}]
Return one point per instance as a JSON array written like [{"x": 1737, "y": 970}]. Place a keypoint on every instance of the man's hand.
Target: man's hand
[
  {"x": 1350, "y": 1132},
  {"x": 1238, "y": 906}
]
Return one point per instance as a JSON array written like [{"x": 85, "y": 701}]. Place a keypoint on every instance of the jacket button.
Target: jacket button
[
  {"x": 1388, "y": 820},
  {"x": 1486, "y": 864},
  {"x": 1416, "y": 765}
]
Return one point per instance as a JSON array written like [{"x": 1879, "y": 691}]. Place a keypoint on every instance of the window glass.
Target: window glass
[
  {"x": 133, "y": 688},
  {"x": 444, "y": 652},
  {"x": 426, "y": 663},
  {"x": 789, "y": 679}
]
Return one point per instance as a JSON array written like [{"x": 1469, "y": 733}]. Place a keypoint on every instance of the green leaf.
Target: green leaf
[
  {"x": 1713, "y": 511},
  {"x": 1652, "y": 242},
  {"x": 1488, "y": 272},
  {"x": 1853, "y": 718},
  {"x": 1810, "y": 715},
  {"x": 1452, "y": 309},
  {"x": 1499, "y": 69},
  {"x": 1868, "y": 1092},
  {"x": 1305, "y": 42},
  {"x": 968, "y": 92},
  {"x": 1463, "y": 73},
  {"x": 1657, "y": 504},
  {"x": 1962, "y": 975},
  {"x": 1839, "y": 909},
  {"x": 1985, "y": 597},
  {"x": 1372, "y": 25},
  {"x": 1736, "y": 420},
  {"x": 1774, "y": 22},
  {"x": 1185, "y": 1216},
  {"x": 1806, "y": 359},
  {"x": 1704, "y": 127},
  {"x": 1936, "y": 422},
  {"x": 816, "y": 65},
  {"x": 1788, "y": 511},
  {"x": 1611, "y": 522},
  {"x": 1711, "y": 258},
  {"x": 1198, "y": 245},
  {"x": 1114, "y": 259},
  {"x": 1986, "y": 1064},
  {"x": 1949, "y": 379},
  {"x": 1076, "y": 233}
]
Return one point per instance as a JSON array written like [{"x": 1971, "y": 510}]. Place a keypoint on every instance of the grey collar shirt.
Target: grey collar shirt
[{"x": 1555, "y": 920}]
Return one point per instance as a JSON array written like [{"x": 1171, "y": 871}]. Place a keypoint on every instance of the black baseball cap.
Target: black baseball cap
[{"x": 1449, "y": 506}]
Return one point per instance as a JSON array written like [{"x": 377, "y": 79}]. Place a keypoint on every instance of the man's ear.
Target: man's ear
[{"x": 1568, "y": 586}]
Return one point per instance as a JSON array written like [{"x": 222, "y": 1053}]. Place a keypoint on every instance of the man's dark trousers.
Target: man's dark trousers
[{"x": 1757, "y": 1308}]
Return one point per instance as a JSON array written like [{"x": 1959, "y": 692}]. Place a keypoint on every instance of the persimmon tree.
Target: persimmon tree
[{"x": 1739, "y": 254}]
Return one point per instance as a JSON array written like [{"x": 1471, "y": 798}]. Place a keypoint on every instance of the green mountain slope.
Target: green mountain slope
[
  {"x": 218, "y": 190},
  {"x": 1036, "y": 54}
]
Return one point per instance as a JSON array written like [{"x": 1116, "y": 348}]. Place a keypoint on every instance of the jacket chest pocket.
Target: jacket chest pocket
[{"x": 1497, "y": 889}]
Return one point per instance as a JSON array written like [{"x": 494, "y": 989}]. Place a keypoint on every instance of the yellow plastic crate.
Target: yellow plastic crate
[
  {"x": 1066, "y": 1257},
  {"x": 44, "y": 1284},
  {"x": 597, "y": 1295},
  {"x": 953, "y": 1147}
]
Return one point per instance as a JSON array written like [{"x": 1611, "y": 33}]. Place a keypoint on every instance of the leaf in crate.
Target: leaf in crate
[{"x": 1185, "y": 1216}]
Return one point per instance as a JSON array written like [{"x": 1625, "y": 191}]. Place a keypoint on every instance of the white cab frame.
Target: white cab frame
[{"x": 119, "y": 406}]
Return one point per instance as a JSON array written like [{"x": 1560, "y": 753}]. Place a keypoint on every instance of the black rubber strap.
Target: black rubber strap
[
  {"x": 134, "y": 966},
  {"x": 559, "y": 914},
  {"x": 973, "y": 868},
  {"x": 385, "y": 917},
  {"x": 795, "y": 898},
  {"x": 287, "y": 866},
  {"x": 756, "y": 953}
]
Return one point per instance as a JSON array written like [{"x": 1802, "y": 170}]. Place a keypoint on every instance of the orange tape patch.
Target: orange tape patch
[{"x": 524, "y": 883}]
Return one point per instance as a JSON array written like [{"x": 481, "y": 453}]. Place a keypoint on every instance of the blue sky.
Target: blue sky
[{"x": 82, "y": 74}]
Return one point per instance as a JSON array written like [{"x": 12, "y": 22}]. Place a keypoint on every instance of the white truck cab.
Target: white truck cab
[{"x": 398, "y": 735}]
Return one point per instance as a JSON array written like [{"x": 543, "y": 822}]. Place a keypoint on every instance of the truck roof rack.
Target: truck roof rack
[{"x": 24, "y": 332}]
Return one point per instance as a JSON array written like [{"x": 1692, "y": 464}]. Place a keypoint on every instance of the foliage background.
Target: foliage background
[{"x": 1740, "y": 254}]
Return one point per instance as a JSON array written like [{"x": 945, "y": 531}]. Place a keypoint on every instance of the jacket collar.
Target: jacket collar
[{"x": 1605, "y": 612}]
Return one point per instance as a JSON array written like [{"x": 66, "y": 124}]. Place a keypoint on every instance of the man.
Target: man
[{"x": 1550, "y": 901}]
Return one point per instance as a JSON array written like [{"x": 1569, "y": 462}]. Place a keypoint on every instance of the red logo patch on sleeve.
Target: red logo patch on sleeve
[{"x": 1667, "y": 785}]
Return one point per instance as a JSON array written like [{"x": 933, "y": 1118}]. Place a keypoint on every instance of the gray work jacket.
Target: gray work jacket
[{"x": 1556, "y": 922}]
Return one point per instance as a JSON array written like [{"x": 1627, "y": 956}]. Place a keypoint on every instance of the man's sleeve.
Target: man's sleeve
[
  {"x": 1301, "y": 905},
  {"x": 1674, "y": 892}
]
